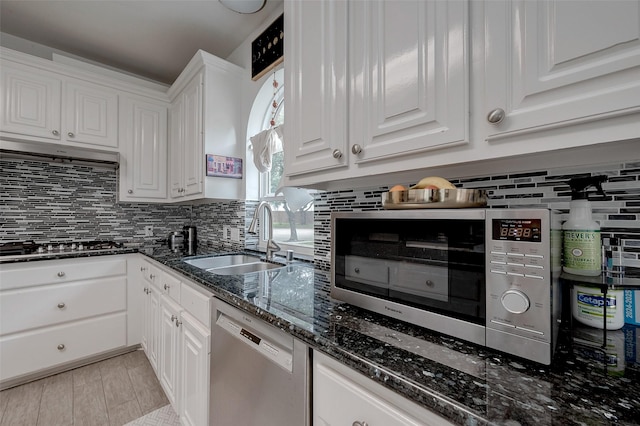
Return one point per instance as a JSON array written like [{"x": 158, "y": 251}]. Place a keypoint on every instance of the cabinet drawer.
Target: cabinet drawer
[
  {"x": 427, "y": 281},
  {"x": 33, "y": 351},
  {"x": 24, "y": 309},
  {"x": 170, "y": 285},
  {"x": 20, "y": 275},
  {"x": 196, "y": 303},
  {"x": 150, "y": 273}
]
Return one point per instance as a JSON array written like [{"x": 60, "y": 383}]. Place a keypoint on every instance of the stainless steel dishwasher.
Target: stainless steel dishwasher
[{"x": 259, "y": 374}]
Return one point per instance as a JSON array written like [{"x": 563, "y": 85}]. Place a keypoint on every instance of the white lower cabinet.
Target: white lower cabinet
[
  {"x": 342, "y": 396},
  {"x": 177, "y": 341},
  {"x": 58, "y": 312}
]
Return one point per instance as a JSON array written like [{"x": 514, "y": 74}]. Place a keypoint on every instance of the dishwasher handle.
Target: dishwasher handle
[{"x": 267, "y": 348}]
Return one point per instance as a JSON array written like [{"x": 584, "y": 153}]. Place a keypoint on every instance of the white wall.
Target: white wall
[{"x": 242, "y": 57}]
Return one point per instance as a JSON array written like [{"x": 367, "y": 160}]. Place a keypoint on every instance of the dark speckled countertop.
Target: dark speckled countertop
[{"x": 465, "y": 383}]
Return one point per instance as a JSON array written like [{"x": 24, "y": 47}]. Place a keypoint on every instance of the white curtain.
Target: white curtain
[{"x": 264, "y": 144}]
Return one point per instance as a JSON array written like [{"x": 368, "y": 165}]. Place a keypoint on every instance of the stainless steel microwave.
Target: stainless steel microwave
[{"x": 487, "y": 276}]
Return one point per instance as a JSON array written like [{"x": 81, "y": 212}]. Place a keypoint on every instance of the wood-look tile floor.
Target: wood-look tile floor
[{"x": 110, "y": 392}]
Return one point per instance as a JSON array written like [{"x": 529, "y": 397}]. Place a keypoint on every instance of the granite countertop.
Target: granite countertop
[
  {"x": 465, "y": 383},
  {"x": 461, "y": 381}
]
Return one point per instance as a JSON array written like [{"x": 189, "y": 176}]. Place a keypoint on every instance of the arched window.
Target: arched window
[{"x": 292, "y": 207}]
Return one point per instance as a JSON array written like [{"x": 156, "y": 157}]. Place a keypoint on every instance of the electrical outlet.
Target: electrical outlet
[
  {"x": 148, "y": 231},
  {"x": 235, "y": 234}
]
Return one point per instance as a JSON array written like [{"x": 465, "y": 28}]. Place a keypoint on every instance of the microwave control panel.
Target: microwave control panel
[{"x": 518, "y": 273}]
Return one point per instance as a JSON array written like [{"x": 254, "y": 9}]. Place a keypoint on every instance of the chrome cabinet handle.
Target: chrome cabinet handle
[
  {"x": 71, "y": 135},
  {"x": 337, "y": 153},
  {"x": 166, "y": 287},
  {"x": 356, "y": 149},
  {"x": 143, "y": 268},
  {"x": 357, "y": 423},
  {"x": 130, "y": 191},
  {"x": 357, "y": 270},
  {"x": 61, "y": 305},
  {"x": 61, "y": 347},
  {"x": 178, "y": 323},
  {"x": 55, "y": 132},
  {"x": 174, "y": 318},
  {"x": 61, "y": 274},
  {"x": 496, "y": 116},
  {"x": 151, "y": 276},
  {"x": 429, "y": 283}
]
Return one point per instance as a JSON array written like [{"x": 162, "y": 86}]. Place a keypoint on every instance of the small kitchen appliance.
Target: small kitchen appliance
[
  {"x": 190, "y": 239},
  {"x": 176, "y": 240},
  {"x": 488, "y": 276}
]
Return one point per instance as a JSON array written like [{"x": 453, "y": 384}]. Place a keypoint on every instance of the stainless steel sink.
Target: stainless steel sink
[
  {"x": 222, "y": 261},
  {"x": 233, "y": 264}
]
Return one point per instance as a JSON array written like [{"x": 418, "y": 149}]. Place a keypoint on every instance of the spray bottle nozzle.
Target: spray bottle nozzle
[{"x": 580, "y": 185}]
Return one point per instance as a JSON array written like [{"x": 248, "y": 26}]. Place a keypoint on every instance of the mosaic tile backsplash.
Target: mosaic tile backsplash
[
  {"x": 618, "y": 216},
  {"x": 44, "y": 202},
  {"x": 62, "y": 202}
]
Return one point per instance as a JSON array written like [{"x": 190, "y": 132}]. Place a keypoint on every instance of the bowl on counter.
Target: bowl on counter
[{"x": 434, "y": 199}]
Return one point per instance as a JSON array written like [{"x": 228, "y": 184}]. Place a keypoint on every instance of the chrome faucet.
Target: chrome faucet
[{"x": 272, "y": 247}]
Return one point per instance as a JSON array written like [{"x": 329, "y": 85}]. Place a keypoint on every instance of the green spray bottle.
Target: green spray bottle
[{"x": 582, "y": 254}]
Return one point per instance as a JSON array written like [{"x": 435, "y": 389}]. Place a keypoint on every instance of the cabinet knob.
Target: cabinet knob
[
  {"x": 146, "y": 290},
  {"x": 55, "y": 132},
  {"x": 356, "y": 149},
  {"x": 173, "y": 318},
  {"x": 429, "y": 283},
  {"x": 166, "y": 287},
  {"x": 178, "y": 322},
  {"x": 151, "y": 276},
  {"x": 337, "y": 153},
  {"x": 61, "y": 305},
  {"x": 357, "y": 423},
  {"x": 130, "y": 191},
  {"x": 61, "y": 274},
  {"x": 356, "y": 270},
  {"x": 70, "y": 134},
  {"x": 496, "y": 116},
  {"x": 61, "y": 347},
  {"x": 143, "y": 268}
]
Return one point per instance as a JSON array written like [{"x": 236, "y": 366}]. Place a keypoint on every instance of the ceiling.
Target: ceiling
[{"x": 151, "y": 38}]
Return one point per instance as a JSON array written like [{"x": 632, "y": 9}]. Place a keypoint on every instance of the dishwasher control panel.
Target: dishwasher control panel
[{"x": 270, "y": 350}]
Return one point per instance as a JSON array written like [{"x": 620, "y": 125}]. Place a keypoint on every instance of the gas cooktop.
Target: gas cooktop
[{"x": 27, "y": 249}]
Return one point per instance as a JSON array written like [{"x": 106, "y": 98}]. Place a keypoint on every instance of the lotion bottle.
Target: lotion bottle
[{"x": 582, "y": 254}]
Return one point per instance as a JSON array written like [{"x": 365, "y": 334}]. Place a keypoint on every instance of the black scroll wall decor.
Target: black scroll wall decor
[{"x": 267, "y": 51}]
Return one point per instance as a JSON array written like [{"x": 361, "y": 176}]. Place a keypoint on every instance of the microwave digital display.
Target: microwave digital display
[{"x": 528, "y": 230}]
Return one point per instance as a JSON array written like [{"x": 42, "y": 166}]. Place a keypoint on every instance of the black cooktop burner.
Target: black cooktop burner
[{"x": 19, "y": 248}]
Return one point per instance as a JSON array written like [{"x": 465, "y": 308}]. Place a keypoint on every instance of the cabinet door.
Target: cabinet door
[
  {"x": 91, "y": 114},
  {"x": 344, "y": 397},
  {"x": 143, "y": 165},
  {"x": 30, "y": 103},
  {"x": 195, "y": 347},
  {"x": 152, "y": 326},
  {"x": 193, "y": 153},
  {"x": 168, "y": 358},
  {"x": 409, "y": 75},
  {"x": 553, "y": 64},
  {"x": 315, "y": 81},
  {"x": 176, "y": 148}
]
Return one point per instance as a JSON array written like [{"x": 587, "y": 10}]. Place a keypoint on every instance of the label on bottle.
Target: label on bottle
[{"x": 582, "y": 250}]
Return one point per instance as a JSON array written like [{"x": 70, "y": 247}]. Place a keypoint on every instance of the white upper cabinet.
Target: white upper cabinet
[
  {"x": 143, "y": 163},
  {"x": 409, "y": 75},
  {"x": 186, "y": 140},
  {"x": 91, "y": 114},
  {"x": 30, "y": 102},
  {"x": 42, "y": 106},
  {"x": 315, "y": 85},
  {"x": 370, "y": 84},
  {"x": 551, "y": 65},
  {"x": 205, "y": 119}
]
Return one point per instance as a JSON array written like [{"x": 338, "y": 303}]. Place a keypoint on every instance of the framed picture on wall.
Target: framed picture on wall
[
  {"x": 267, "y": 51},
  {"x": 222, "y": 166}
]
